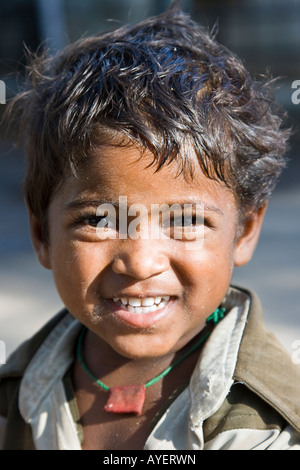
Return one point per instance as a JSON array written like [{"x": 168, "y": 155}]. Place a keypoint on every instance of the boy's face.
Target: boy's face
[{"x": 190, "y": 276}]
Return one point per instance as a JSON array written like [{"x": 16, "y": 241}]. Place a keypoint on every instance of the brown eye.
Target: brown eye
[
  {"x": 99, "y": 222},
  {"x": 95, "y": 220}
]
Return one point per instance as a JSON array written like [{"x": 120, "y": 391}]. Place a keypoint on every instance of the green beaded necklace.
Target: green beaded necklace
[{"x": 130, "y": 398}]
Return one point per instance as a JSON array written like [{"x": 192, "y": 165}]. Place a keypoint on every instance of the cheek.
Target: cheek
[
  {"x": 75, "y": 267},
  {"x": 207, "y": 273}
]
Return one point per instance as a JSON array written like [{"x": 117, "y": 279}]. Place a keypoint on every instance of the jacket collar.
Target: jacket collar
[
  {"x": 48, "y": 366},
  {"x": 264, "y": 366},
  {"x": 213, "y": 375}
]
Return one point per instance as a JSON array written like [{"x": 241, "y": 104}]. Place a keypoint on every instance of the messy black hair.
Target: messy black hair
[{"x": 163, "y": 83}]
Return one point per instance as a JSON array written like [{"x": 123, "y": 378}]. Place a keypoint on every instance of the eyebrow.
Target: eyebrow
[{"x": 81, "y": 203}]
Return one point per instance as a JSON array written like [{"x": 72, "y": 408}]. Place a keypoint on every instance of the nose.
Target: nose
[{"x": 141, "y": 259}]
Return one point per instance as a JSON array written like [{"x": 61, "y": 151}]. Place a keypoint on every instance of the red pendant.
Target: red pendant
[{"x": 126, "y": 399}]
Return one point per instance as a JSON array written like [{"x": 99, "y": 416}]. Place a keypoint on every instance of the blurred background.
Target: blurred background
[{"x": 265, "y": 34}]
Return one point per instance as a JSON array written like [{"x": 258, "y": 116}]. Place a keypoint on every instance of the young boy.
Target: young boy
[{"x": 151, "y": 156}]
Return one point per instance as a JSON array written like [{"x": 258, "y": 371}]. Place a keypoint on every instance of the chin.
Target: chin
[{"x": 142, "y": 348}]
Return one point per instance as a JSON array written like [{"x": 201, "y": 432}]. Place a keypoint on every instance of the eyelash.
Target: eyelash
[
  {"x": 88, "y": 224},
  {"x": 83, "y": 219}
]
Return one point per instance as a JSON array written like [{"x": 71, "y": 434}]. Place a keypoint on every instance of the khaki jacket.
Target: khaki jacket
[{"x": 244, "y": 393}]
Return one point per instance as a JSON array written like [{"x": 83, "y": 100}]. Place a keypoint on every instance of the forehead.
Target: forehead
[{"x": 131, "y": 171}]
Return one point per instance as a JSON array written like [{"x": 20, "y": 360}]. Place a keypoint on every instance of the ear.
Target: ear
[
  {"x": 40, "y": 244},
  {"x": 247, "y": 241}
]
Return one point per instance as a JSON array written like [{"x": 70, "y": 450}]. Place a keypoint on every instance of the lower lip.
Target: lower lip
[{"x": 139, "y": 320}]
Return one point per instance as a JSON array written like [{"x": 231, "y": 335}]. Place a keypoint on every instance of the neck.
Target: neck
[{"x": 117, "y": 369}]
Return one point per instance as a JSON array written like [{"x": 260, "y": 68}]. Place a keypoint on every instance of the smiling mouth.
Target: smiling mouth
[{"x": 142, "y": 305}]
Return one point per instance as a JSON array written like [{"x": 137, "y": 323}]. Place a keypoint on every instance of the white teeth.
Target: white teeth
[
  {"x": 134, "y": 302},
  {"x": 139, "y": 310},
  {"x": 145, "y": 305},
  {"x": 148, "y": 302}
]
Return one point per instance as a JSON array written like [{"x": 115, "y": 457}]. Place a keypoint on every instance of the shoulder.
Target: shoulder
[
  {"x": 21, "y": 357},
  {"x": 265, "y": 367},
  {"x": 242, "y": 409},
  {"x": 262, "y": 408},
  {"x": 247, "y": 422},
  {"x": 15, "y": 434},
  {"x": 13, "y": 370}
]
